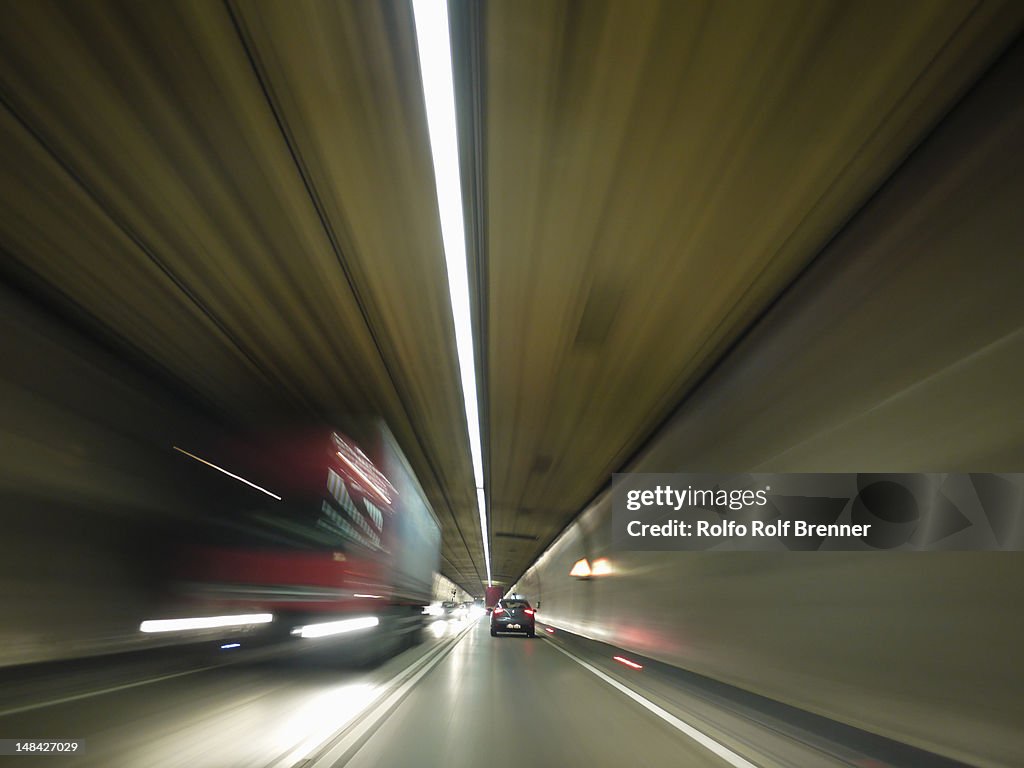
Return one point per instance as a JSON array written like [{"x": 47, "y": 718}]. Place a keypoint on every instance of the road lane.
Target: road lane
[
  {"x": 249, "y": 714},
  {"x": 458, "y": 701},
  {"x": 514, "y": 701}
]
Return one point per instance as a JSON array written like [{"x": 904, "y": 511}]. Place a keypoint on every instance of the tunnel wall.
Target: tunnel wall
[
  {"x": 87, "y": 488},
  {"x": 446, "y": 589},
  {"x": 900, "y": 349}
]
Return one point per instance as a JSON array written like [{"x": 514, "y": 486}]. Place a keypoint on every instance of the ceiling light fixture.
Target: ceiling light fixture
[{"x": 434, "y": 46}]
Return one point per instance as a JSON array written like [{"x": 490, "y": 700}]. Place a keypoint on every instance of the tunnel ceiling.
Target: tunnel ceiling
[{"x": 242, "y": 196}]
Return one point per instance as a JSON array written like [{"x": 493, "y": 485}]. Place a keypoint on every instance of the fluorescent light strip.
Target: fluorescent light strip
[
  {"x": 481, "y": 503},
  {"x": 229, "y": 474},
  {"x": 434, "y": 45},
  {"x": 329, "y": 628},
  {"x": 204, "y": 622}
]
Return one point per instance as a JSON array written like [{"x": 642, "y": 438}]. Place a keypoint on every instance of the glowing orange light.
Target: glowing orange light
[
  {"x": 581, "y": 569},
  {"x": 602, "y": 567},
  {"x": 627, "y": 662}
]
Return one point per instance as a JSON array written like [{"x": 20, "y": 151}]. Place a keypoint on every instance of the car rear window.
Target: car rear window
[{"x": 515, "y": 604}]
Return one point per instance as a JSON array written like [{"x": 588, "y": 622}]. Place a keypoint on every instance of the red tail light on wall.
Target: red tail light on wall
[{"x": 628, "y": 662}]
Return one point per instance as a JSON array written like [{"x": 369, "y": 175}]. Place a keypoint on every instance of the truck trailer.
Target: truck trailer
[{"x": 328, "y": 533}]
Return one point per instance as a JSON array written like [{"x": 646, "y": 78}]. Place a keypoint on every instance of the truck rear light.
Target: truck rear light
[
  {"x": 204, "y": 622},
  {"x": 326, "y": 629}
]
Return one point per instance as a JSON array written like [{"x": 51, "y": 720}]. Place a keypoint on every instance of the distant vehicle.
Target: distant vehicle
[
  {"x": 450, "y": 609},
  {"x": 512, "y": 615},
  {"x": 493, "y": 595}
]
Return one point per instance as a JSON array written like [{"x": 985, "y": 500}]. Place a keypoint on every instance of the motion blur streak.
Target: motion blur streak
[
  {"x": 204, "y": 622},
  {"x": 627, "y": 662},
  {"x": 327, "y": 628},
  {"x": 229, "y": 474}
]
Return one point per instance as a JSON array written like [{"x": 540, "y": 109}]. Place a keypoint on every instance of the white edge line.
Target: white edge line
[
  {"x": 701, "y": 738},
  {"x": 377, "y": 709},
  {"x": 90, "y": 694}
]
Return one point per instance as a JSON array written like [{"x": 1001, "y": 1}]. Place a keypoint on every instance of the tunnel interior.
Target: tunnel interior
[{"x": 749, "y": 238}]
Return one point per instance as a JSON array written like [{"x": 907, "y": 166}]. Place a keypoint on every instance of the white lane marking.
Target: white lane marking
[
  {"x": 305, "y": 748},
  {"x": 700, "y": 737},
  {"x": 90, "y": 694},
  {"x": 381, "y": 710}
]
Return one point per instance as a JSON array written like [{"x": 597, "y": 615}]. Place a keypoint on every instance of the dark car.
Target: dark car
[{"x": 512, "y": 616}]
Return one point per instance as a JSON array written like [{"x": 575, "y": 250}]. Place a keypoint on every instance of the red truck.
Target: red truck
[{"x": 329, "y": 535}]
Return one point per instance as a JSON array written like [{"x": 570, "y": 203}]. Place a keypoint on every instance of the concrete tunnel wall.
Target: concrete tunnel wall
[
  {"x": 901, "y": 349},
  {"x": 86, "y": 484},
  {"x": 444, "y": 589}
]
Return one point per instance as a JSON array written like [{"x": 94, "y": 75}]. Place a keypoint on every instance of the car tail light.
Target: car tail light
[
  {"x": 528, "y": 610},
  {"x": 499, "y": 610}
]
